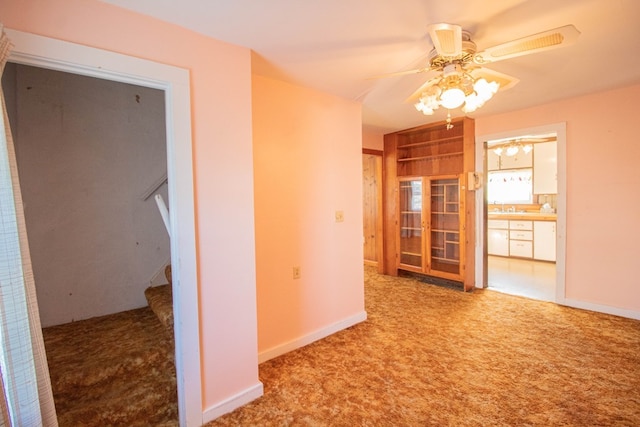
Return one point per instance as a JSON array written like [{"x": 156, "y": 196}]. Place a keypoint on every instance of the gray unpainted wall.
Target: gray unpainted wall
[{"x": 87, "y": 150}]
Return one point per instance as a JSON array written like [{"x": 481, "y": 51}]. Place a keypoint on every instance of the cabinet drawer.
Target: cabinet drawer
[
  {"x": 521, "y": 225},
  {"x": 498, "y": 242},
  {"x": 520, "y": 235},
  {"x": 521, "y": 248},
  {"x": 498, "y": 223}
]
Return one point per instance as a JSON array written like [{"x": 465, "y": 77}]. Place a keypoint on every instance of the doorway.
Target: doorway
[
  {"x": 88, "y": 151},
  {"x": 30, "y": 49},
  {"x": 524, "y": 214}
]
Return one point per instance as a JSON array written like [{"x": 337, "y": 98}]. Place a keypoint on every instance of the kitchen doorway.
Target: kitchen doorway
[{"x": 524, "y": 212}]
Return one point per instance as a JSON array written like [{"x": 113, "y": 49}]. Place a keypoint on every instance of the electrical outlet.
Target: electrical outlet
[
  {"x": 296, "y": 272},
  {"x": 339, "y": 216}
]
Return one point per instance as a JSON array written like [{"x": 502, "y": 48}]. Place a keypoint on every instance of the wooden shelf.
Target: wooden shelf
[
  {"x": 446, "y": 260},
  {"x": 411, "y": 253},
  {"x": 431, "y": 157},
  {"x": 430, "y": 142}
]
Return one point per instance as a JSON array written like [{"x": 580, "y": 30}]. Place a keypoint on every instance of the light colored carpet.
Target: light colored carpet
[{"x": 431, "y": 356}]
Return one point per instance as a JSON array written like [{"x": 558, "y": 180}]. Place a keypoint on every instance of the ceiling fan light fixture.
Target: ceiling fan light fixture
[
  {"x": 456, "y": 88},
  {"x": 452, "y": 98}
]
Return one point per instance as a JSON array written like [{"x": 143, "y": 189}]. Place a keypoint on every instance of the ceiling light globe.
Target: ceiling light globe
[
  {"x": 452, "y": 98},
  {"x": 484, "y": 89},
  {"x": 471, "y": 103}
]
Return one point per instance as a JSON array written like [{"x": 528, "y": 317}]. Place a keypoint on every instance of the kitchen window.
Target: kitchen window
[{"x": 510, "y": 186}]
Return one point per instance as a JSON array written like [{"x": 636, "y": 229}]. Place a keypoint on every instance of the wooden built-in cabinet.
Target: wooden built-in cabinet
[{"x": 428, "y": 227}]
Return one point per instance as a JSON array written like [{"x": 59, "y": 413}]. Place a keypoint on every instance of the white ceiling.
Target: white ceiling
[{"x": 336, "y": 45}]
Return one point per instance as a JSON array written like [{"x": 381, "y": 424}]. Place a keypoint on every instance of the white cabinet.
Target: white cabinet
[
  {"x": 544, "y": 239},
  {"x": 520, "y": 225},
  {"x": 520, "y": 160},
  {"x": 498, "y": 237},
  {"x": 545, "y": 168},
  {"x": 521, "y": 248},
  {"x": 493, "y": 160},
  {"x": 521, "y": 239}
]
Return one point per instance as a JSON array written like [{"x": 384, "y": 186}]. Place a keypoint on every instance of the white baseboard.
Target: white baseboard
[
  {"x": 233, "y": 402},
  {"x": 314, "y": 336},
  {"x": 631, "y": 314}
]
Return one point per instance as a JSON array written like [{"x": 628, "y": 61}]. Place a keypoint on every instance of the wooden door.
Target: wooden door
[{"x": 372, "y": 207}]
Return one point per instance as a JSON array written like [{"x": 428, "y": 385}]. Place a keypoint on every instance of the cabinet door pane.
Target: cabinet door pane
[
  {"x": 411, "y": 222},
  {"x": 445, "y": 225}
]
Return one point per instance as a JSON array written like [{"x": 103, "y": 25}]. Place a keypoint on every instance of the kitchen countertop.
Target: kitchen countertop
[{"x": 527, "y": 216}]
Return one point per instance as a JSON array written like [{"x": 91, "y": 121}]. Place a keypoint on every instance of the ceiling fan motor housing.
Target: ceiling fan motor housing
[{"x": 466, "y": 55}]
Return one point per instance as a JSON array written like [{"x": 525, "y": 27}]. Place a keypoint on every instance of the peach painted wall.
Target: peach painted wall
[
  {"x": 223, "y": 168},
  {"x": 603, "y": 183},
  {"x": 307, "y": 165},
  {"x": 372, "y": 140}
]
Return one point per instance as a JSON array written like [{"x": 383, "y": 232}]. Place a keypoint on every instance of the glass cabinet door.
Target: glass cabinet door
[
  {"x": 411, "y": 223},
  {"x": 444, "y": 253}
]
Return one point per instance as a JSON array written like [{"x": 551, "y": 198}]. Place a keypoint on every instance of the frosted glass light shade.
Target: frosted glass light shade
[{"x": 452, "y": 98}]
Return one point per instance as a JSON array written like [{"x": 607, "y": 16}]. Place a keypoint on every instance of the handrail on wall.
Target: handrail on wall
[
  {"x": 154, "y": 187},
  {"x": 164, "y": 212}
]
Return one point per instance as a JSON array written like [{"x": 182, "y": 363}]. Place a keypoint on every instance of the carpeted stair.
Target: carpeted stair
[
  {"x": 115, "y": 370},
  {"x": 160, "y": 300}
]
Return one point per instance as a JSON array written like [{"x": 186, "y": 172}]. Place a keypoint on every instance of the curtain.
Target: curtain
[{"x": 26, "y": 398}]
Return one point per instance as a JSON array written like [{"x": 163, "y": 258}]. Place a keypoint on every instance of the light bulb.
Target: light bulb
[
  {"x": 498, "y": 151},
  {"x": 512, "y": 150},
  {"x": 452, "y": 98},
  {"x": 527, "y": 148}
]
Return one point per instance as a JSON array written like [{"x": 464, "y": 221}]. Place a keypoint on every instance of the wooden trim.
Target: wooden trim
[{"x": 372, "y": 152}]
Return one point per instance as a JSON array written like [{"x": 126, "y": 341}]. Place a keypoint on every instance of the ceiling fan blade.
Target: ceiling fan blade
[
  {"x": 401, "y": 73},
  {"x": 447, "y": 38},
  {"x": 505, "y": 81},
  {"x": 418, "y": 93},
  {"x": 551, "y": 39}
]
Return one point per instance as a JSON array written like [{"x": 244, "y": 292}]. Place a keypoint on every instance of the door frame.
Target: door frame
[
  {"x": 44, "y": 52},
  {"x": 560, "y": 129}
]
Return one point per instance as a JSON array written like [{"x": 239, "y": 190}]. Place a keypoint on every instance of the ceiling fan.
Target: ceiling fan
[{"x": 461, "y": 79}]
